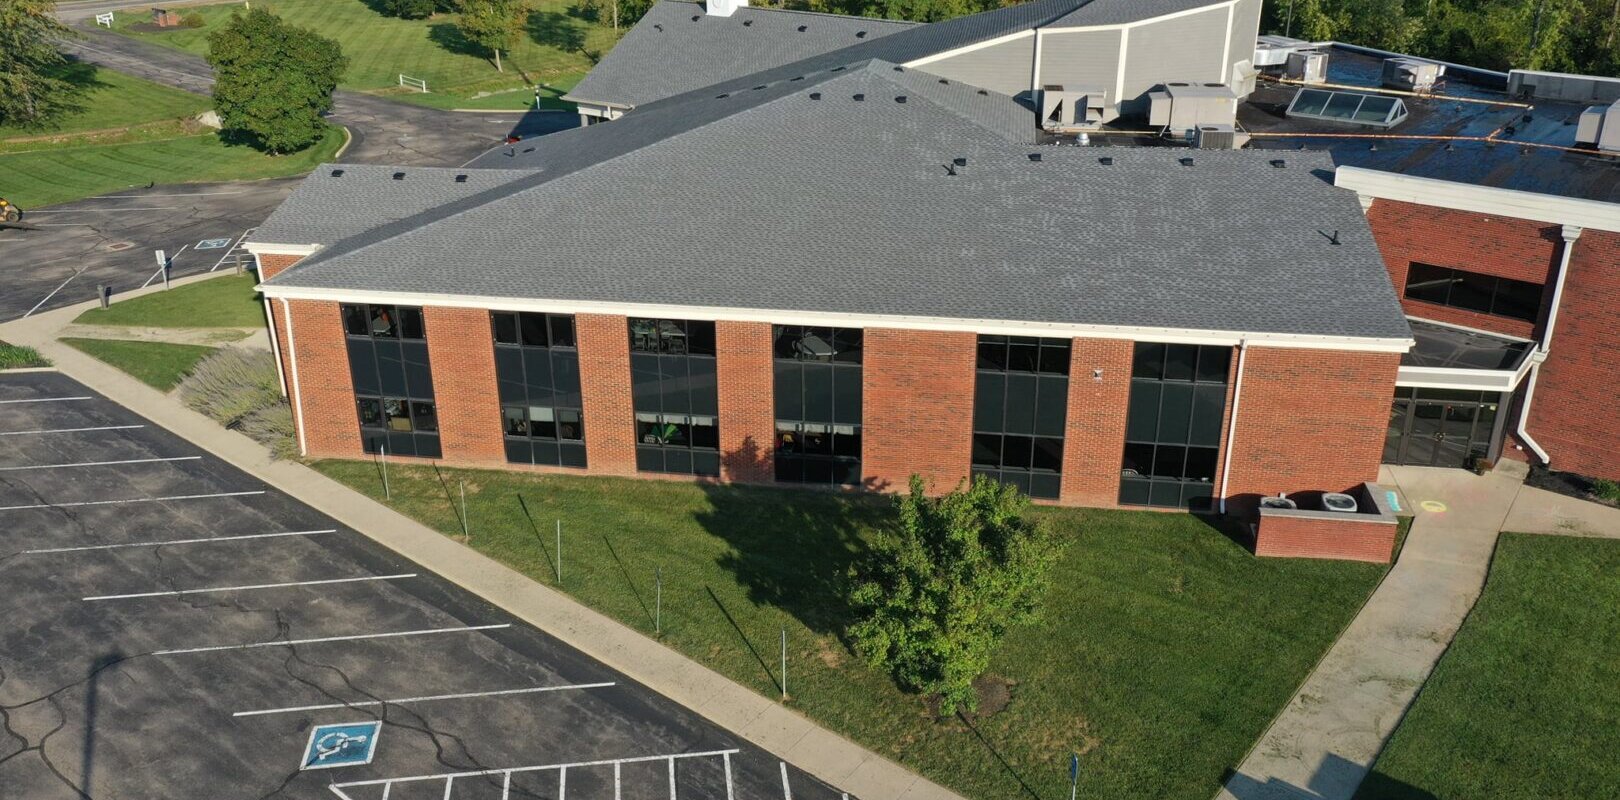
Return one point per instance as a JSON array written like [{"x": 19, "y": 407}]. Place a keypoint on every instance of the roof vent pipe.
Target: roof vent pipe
[{"x": 724, "y": 8}]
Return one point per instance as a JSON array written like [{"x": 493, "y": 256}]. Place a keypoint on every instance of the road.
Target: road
[{"x": 174, "y": 628}]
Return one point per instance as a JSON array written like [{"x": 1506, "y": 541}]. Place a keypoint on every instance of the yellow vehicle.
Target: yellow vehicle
[{"x": 9, "y": 212}]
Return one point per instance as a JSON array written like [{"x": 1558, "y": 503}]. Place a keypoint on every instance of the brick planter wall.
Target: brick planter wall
[{"x": 1367, "y": 535}]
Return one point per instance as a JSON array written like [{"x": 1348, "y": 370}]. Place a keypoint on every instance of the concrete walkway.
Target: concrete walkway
[
  {"x": 207, "y": 337},
  {"x": 776, "y": 728},
  {"x": 1540, "y": 511}
]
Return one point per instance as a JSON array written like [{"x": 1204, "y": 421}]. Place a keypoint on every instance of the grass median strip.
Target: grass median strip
[
  {"x": 159, "y": 365},
  {"x": 1522, "y": 705},
  {"x": 1164, "y": 652},
  {"x": 224, "y": 302}
]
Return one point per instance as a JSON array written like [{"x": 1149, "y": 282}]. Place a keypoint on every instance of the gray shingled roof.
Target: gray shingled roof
[
  {"x": 778, "y": 207},
  {"x": 328, "y": 207},
  {"x": 1120, "y": 12},
  {"x": 677, "y": 47}
]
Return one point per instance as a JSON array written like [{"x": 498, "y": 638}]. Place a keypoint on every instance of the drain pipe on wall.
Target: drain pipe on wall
[
  {"x": 1231, "y": 431},
  {"x": 1571, "y": 233},
  {"x": 292, "y": 366}
]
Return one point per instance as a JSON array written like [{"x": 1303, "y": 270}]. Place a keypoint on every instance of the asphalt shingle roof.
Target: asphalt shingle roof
[
  {"x": 776, "y": 205},
  {"x": 1120, "y": 12},
  {"x": 338, "y": 201},
  {"x": 677, "y": 47}
]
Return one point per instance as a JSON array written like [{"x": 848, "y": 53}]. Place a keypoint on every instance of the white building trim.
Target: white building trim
[
  {"x": 848, "y": 320},
  {"x": 268, "y": 249},
  {"x": 1011, "y": 37},
  {"x": 1149, "y": 21},
  {"x": 1514, "y": 203},
  {"x": 292, "y": 365}
]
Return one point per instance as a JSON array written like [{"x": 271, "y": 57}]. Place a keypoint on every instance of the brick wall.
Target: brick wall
[
  {"x": 325, "y": 389},
  {"x": 1310, "y": 537},
  {"x": 1491, "y": 245},
  {"x": 1310, "y": 420},
  {"x": 1094, "y": 440},
  {"x": 604, "y": 381},
  {"x": 747, "y": 379},
  {"x": 461, "y": 352},
  {"x": 1576, "y": 413},
  {"x": 917, "y": 407},
  {"x": 269, "y": 267}
]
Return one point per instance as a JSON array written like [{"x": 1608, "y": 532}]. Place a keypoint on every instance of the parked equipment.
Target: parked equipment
[{"x": 9, "y": 212}]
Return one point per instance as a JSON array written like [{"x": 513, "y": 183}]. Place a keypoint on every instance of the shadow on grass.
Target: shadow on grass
[
  {"x": 744, "y": 637},
  {"x": 555, "y": 29},
  {"x": 790, "y": 548},
  {"x": 1011, "y": 770},
  {"x": 630, "y": 582},
  {"x": 538, "y": 539},
  {"x": 450, "y": 37}
]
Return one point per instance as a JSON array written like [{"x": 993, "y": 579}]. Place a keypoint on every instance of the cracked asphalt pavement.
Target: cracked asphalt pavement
[{"x": 161, "y": 635}]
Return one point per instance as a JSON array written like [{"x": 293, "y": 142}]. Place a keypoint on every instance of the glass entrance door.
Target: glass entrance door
[{"x": 1440, "y": 428}]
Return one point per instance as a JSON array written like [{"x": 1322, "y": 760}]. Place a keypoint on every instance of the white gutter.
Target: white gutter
[
  {"x": 275, "y": 347},
  {"x": 1571, "y": 233},
  {"x": 1231, "y": 430},
  {"x": 297, "y": 398}
]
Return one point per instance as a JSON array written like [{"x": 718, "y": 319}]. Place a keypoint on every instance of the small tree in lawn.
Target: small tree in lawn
[
  {"x": 492, "y": 24},
  {"x": 937, "y": 593},
  {"x": 272, "y": 81},
  {"x": 31, "y": 89}
]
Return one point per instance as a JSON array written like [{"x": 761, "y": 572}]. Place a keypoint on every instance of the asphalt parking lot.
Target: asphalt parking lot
[{"x": 172, "y": 627}]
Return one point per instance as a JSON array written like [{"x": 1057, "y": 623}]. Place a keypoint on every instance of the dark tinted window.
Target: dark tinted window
[
  {"x": 1473, "y": 291},
  {"x": 392, "y": 379},
  {"x": 818, "y": 403},
  {"x": 1173, "y": 424},
  {"x": 537, "y": 371},
  {"x": 1020, "y": 408}
]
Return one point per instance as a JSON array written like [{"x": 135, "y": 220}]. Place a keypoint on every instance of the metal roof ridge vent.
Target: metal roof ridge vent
[
  {"x": 859, "y": 97},
  {"x": 860, "y": 34},
  {"x": 399, "y": 176},
  {"x": 1036, "y": 157},
  {"x": 658, "y": 27},
  {"x": 815, "y": 95},
  {"x": 803, "y": 28},
  {"x": 748, "y": 23},
  {"x": 1279, "y": 163},
  {"x": 337, "y": 173},
  {"x": 900, "y": 98},
  {"x": 1186, "y": 161},
  {"x": 1107, "y": 161},
  {"x": 959, "y": 161},
  {"x": 462, "y": 178}
]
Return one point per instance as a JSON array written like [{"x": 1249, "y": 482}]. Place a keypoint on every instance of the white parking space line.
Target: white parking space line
[
  {"x": 176, "y": 194},
  {"x": 450, "y": 778},
  {"x": 47, "y": 400},
  {"x": 250, "y": 587},
  {"x": 44, "y": 300},
  {"x": 103, "y": 463},
  {"x": 71, "y": 430},
  {"x": 727, "y": 759},
  {"x": 787, "y": 791},
  {"x": 353, "y": 638},
  {"x": 426, "y": 699},
  {"x": 132, "y": 500},
  {"x": 166, "y": 543},
  {"x": 236, "y": 249},
  {"x": 78, "y": 210},
  {"x": 159, "y": 271}
]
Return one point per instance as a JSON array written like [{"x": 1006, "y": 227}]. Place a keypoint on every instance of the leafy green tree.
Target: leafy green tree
[
  {"x": 492, "y": 24},
  {"x": 32, "y": 90},
  {"x": 415, "y": 9},
  {"x": 937, "y": 594},
  {"x": 273, "y": 81}
]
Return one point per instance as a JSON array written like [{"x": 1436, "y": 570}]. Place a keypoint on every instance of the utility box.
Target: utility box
[
  {"x": 1307, "y": 66},
  {"x": 164, "y": 18},
  {"x": 1411, "y": 74}
]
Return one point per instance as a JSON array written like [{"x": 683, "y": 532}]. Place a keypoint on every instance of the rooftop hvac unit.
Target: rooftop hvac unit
[
  {"x": 1244, "y": 78},
  {"x": 1179, "y": 108},
  {"x": 1599, "y": 127},
  {"x": 1278, "y": 502},
  {"x": 1309, "y": 66},
  {"x": 1337, "y": 501},
  {"x": 1532, "y": 84},
  {"x": 1215, "y": 137},
  {"x": 1411, "y": 74},
  {"x": 1273, "y": 51},
  {"x": 1073, "y": 107}
]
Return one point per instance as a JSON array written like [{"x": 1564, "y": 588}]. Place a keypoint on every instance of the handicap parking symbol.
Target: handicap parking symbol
[
  {"x": 212, "y": 244},
  {"x": 346, "y": 745}
]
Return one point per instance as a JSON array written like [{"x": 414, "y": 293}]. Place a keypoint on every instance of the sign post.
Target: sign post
[
  {"x": 1074, "y": 775},
  {"x": 163, "y": 267}
]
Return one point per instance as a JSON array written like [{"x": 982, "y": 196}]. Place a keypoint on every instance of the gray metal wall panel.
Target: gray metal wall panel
[
  {"x": 1181, "y": 49},
  {"x": 1245, "y": 28},
  {"x": 1089, "y": 58},
  {"x": 1004, "y": 67}
]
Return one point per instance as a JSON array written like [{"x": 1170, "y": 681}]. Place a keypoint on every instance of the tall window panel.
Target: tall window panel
[
  {"x": 1020, "y": 404},
  {"x": 1173, "y": 426},
  {"x": 818, "y": 404},
  {"x": 676, "y": 396},
  {"x": 392, "y": 379},
  {"x": 537, "y": 369},
  {"x": 1472, "y": 291}
]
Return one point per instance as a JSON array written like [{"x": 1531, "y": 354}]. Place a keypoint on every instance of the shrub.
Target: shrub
[
  {"x": 231, "y": 384},
  {"x": 415, "y": 9},
  {"x": 936, "y": 595},
  {"x": 1606, "y": 489},
  {"x": 273, "y": 428},
  {"x": 15, "y": 357},
  {"x": 192, "y": 20}
]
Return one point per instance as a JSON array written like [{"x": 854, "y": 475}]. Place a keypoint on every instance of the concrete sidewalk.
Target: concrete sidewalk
[
  {"x": 778, "y": 729},
  {"x": 1325, "y": 741},
  {"x": 1540, "y": 511}
]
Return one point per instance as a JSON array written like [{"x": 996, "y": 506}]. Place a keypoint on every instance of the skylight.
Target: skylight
[{"x": 1353, "y": 107}]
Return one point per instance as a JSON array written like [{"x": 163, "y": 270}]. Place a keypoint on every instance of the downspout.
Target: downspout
[
  {"x": 1231, "y": 430},
  {"x": 275, "y": 346},
  {"x": 297, "y": 397},
  {"x": 1570, "y": 233}
]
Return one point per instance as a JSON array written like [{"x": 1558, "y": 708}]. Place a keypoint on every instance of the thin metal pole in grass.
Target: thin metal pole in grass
[
  {"x": 559, "y": 552},
  {"x": 383, "y": 450},
  {"x": 466, "y": 533},
  {"x": 784, "y": 665},
  {"x": 658, "y": 602}
]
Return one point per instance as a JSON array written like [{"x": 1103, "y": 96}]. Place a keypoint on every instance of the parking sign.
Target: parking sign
[{"x": 347, "y": 745}]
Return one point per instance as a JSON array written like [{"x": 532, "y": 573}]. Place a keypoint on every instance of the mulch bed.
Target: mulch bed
[{"x": 1568, "y": 484}]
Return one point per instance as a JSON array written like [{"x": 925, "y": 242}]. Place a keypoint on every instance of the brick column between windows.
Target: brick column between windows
[
  {"x": 747, "y": 401},
  {"x": 1311, "y": 420},
  {"x": 324, "y": 385},
  {"x": 917, "y": 407},
  {"x": 1094, "y": 435},
  {"x": 604, "y": 382},
  {"x": 461, "y": 352},
  {"x": 270, "y": 265}
]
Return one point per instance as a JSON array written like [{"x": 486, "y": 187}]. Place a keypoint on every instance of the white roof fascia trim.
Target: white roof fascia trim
[
  {"x": 835, "y": 320},
  {"x": 1480, "y": 199},
  {"x": 1454, "y": 326},
  {"x": 1011, "y": 37},
  {"x": 1482, "y": 380},
  {"x": 1150, "y": 20},
  {"x": 267, "y": 249}
]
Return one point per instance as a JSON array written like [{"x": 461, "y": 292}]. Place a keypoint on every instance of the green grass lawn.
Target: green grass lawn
[
  {"x": 1526, "y": 702},
  {"x": 223, "y": 302},
  {"x": 114, "y": 100},
  {"x": 557, "y": 44},
  {"x": 60, "y": 173},
  {"x": 16, "y": 356},
  {"x": 157, "y": 364},
  {"x": 1166, "y": 648}
]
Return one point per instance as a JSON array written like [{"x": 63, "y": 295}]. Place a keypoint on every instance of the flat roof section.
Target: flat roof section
[{"x": 1455, "y": 348}]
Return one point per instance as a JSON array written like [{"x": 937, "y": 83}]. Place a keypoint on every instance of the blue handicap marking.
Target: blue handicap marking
[
  {"x": 346, "y": 745},
  {"x": 212, "y": 244}
]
